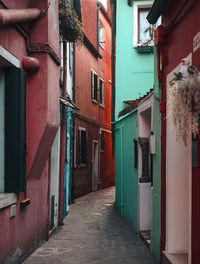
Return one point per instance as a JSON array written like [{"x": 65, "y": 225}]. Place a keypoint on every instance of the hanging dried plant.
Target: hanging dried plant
[
  {"x": 70, "y": 26},
  {"x": 185, "y": 102}
]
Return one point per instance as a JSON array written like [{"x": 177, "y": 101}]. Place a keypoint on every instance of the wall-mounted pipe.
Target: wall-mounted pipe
[
  {"x": 12, "y": 16},
  {"x": 98, "y": 8},
  {"x": 113, "y": 10}
]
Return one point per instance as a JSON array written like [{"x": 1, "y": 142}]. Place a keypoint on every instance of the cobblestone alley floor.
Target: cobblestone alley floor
[{"x": 93, "y": 233}]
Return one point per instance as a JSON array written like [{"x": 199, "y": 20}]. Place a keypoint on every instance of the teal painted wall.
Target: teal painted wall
[
  {"x": 134, "y": 71},
  {"x": 156, "y": 229},
  {"x": 126, "y": 175}
]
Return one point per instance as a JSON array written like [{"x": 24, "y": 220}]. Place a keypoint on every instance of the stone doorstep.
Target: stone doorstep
[
  {"x": 169, "y": 258},
  {"x": 145, "y": 235}
]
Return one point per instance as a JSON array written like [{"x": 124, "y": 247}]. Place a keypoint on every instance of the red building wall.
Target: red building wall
[
  {"x": 182, "y": 25},
  {"x": 27, "y": 229},
  {"x": 92, "y": 115}
]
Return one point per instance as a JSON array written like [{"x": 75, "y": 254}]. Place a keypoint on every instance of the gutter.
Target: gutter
[
  {"x": 73, "y": 121},
  {"x": 104, "y": 12},
  {"x": 99, "y": 5},
  {"x": 91, "y": 47},
  {"x": 159, "y": 7},
  {"x": 63, "y": 139}
]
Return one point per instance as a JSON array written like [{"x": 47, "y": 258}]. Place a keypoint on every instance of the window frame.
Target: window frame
[
  {"x": 7, "y": 199},
  {"x": 136, "y": 6}
]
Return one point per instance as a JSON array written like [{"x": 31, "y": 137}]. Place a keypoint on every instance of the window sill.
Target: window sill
[
  {"x": 94, "y": 101},
  {"x": 144, "y": 49},
  {"x": 7, "y": 199},
  {"x": 82, "y": 165},
  {"x": 102, "y": 105}
]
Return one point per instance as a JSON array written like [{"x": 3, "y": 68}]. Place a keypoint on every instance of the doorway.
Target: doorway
[{"x": 95, "y": 167}]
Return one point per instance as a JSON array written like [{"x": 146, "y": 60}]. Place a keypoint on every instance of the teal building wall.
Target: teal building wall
[
  {"x": 134, "y": 71},
  {"x": 134, "y": 77},
  {"x": 126, "y": 176}
]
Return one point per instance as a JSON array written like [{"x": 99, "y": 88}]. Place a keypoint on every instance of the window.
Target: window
[
  {"x": 101, "y": 35},
  {"x": 135, "y": 153},
  {"x": 101, "y": 90},
  {"x": 104, "y": 3},
  {"x": 140, "y": 23},
  {"x": 94, "y": 86},
  {"x": 143, "y": 33},
  {"x": 70, "y": 45},
  {"x": 2, "y": 131},
  {"x": 82, "y": 146},
  {"x": 103, "y": 143},
  {"x": 13, "y": 130},
  {"x": 144, "y": 144}
]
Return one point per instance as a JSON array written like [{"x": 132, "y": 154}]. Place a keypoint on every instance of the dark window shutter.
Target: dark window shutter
[
  {"x": 92, "y": 84},
  {"x": 144, "y": 143},
  {"x": 83, "y": 147},
  {"x": 135, "y": 153},
  {"x": 95, "y": 87},
  {"x": 79, "y": 146},
  {"x": 15, "y": 130}
]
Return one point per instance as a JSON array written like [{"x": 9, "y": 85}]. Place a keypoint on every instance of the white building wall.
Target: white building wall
[
  {"x": 145, "y": 126},
  {"x": 178, "y": 187}
]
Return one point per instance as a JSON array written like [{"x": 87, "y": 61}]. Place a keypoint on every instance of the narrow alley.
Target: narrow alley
[{"x": 93, "y": 233}]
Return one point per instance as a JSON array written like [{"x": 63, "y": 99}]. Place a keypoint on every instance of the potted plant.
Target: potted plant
[
  {"x": 69, "y": 24},
  {"x": 185, "y": 101}
]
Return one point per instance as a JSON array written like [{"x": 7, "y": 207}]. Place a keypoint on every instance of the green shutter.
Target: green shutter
[
  {"x": 95, "y": 87},
  {"x": 83, "y": 147},
  {"x": 79, "y": 146},
  {"x": 15, "y": 130},
  {"x": 92, "y": 84}
]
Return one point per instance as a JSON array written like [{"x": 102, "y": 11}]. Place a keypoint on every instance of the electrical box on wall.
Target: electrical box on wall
[
  {"x": 152, "y": 143},
  {"x": 13, "y": 210}
]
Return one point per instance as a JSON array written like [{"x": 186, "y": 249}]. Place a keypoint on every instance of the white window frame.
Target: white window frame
[
  {"x": 136, "y": 6},
  {"x": 7, "y": 199}
]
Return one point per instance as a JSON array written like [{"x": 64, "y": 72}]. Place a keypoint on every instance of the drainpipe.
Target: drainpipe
[
  {"x": 63, "y": 137},
  {"x": 73, "y": 120},
  {"x": 98, "y": 8},
  {"x": 12, "y": 16},
  {"x": 121, "y": 172},
  {"x": 113, "y": 10}
]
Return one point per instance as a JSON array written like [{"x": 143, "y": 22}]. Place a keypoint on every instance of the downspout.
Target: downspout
[
  {"x": 48, "y": 199},
  {"x": 63, "y": 137},
  {"x": 73, "y": 120},
  {"x": 98, "y": 8},
  {"x": 121, "y": 172},
  {"x": 12, "y": 16},
  {"x": 113, "y": 10}
]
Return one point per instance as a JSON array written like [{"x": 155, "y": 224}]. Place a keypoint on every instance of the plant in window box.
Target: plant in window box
[
  {"x": 185, "y": 100},
  {"x": 69, "y": 24}
]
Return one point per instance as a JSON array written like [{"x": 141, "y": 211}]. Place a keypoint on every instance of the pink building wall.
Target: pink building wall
[
  {"x": 96, "y": 116},
  {"x": 25, "y": 231}
]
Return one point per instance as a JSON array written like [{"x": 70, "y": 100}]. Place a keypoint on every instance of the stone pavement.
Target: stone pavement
[{"x": 93, "y": 233}]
